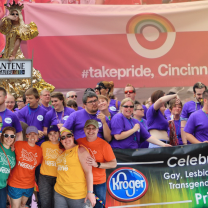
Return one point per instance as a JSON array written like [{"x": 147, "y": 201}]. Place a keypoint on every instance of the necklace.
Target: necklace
[
  {"x": 57, "y": 118},
  {"x": 205, "y": 113}
]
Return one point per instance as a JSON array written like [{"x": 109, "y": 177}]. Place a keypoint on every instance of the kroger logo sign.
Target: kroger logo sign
[{"x": 127, "y": 184}]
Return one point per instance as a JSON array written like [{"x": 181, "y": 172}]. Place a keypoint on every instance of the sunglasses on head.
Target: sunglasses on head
[
  {"x": 128, "y": 106},
  {"x": 129, "y": 91},
  {"x": 67, "y": 136},
  {"x": 12, "y": 136}
]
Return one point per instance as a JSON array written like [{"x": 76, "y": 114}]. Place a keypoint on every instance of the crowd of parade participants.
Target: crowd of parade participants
[{"x": 48, "y": 141}]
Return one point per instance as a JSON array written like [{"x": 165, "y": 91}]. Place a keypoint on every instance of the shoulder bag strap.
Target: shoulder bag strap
[{"x": 7, "y": 158}]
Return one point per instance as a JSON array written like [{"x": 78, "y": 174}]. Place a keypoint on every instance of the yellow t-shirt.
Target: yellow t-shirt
[
  {"x": 50, "y": 154},
  {"x": 70, "y": 181}
]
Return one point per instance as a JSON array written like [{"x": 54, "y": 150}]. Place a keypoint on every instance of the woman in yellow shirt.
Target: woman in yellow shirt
[
  {"x": 74, "y": 184},
  {"x": 48, "y": 170}
]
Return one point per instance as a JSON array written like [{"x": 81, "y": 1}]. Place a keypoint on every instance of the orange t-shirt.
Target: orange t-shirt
[
  {"x": 27, "y": 159},
  {"x": 50, "y": 154},
  {"x": 102, "y": 152}
]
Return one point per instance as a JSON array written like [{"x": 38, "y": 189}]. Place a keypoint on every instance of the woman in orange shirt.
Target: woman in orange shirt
[
  {"x": 74, "y": 184},
  {"x": 22, "y": 178}
]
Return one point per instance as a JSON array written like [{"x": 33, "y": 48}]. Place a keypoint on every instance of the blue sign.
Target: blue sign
[{"x": 127, "y": 184}]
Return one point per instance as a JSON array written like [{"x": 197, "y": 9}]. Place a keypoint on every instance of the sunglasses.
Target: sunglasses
[
  {"x": 67, "y": 136},
  {"x": 128, "y": 106},
  {"x": 15, "y": 14},
  {"x": 97, "y": 88},
  {"x": 73, "y": 96},
  {"x": 129, "y": 91},
  {"x": 12, "y": 136}
]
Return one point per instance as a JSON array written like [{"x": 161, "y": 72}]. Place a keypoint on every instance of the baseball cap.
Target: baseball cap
[
  {"x": 31, "y": 129},
  {"x": 52, "y": 128},
  {"x": 91, "y": 122}
]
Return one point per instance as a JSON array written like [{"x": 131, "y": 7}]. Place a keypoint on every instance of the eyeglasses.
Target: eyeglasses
[
  {"x": 141, "y": 109},
  {"x": 12, "y": 136},
  {"x": 72, "y": 96},
  {"x": 89, "y": 129},
  {"x": 129, "y": 91},
  {"x": 67, "y": 136},
  {"x": 20, "y": 101},
  {"x": 12, "y": 102},
  {"x": 128, "y": 106},
  {"x": 15, "y": 14},
  {"x": 93, "y": 101}
]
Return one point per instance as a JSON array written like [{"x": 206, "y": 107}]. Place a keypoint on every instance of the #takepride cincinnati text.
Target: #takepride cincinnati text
[{"x": 142, "y": 71}]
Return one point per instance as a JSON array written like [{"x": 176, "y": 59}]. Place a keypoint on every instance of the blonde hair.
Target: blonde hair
[
  {"x": 125, "y": 100},
  {"x": 109, "y": 85}
]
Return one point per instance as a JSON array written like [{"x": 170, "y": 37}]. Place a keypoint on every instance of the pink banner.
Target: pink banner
[{"x": 147, "y": 46}]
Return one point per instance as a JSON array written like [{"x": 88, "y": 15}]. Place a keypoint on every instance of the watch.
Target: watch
[
  {"x": 91, "y": 192},
  {"x": 98, "y": 164}
]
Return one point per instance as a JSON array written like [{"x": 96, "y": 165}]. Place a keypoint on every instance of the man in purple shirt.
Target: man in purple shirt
[
  {"x": 33, "y": 114},
  {"x": 192, "y": 106},
  {"x": 196, "y": 128},
  {"x": 77, "y": 119},
  {"x": 130, "y": 91},
  {"x": 71, "y": 95},
  {"x": 8, "y": 117},
  {"x": 45, "y": 98}
]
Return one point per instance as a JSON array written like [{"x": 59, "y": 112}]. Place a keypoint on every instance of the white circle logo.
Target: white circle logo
[
  {"x": 8, "y": 120},
  {"x": 40, "y": 117},
  {"x": 100, "y": 124},
  {"x": 65, "y": 118},
  {"x": 113, "y": 108},
  {"x": 150, "y": 35}
]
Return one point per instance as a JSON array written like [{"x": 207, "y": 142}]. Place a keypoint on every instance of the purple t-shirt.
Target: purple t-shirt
[
  {"x": 156, "y": 120},
  {"x": 33, "y": 116},
  {"x": 145, "y": 111},
  {"x": 47, "y": 108},
  {"x": 76, "y": 122},
  {"x": 112, "y": 106},
  {"x": 143, "y": 122},
  {"x": 197, "y": 125},
  {"x": 10, "y": 119},
  {"x": 79, "y": 108},
  {"x": 167, "y": 114},
  {"x": 189, "y": 108},
  {"x": 51, "y": 119},
  {"x": 120, "y": 123}
]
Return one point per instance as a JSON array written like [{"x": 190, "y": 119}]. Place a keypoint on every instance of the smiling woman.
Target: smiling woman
[
  {"x": 7, "y": 161},
  {"x": 22, "y": 179},
  {"x": 73, "y": 185}
]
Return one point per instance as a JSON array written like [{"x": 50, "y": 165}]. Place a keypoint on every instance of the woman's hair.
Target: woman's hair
[
  {"x": 172, "y": 104},
  {"x": 60, "y": 96},
  {"x": 23, "y": 26},
  {"x": 72, "y": 103},
  {"x": 103, "y": 97},
  {"x": 4, "y": 130},
  {"x": 109, "y": 85},
  {"x": 156, "y": 95},
  {"x": 125, "y": 100}
]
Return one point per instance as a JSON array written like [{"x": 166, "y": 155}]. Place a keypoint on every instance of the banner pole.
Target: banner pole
[{"x": 32, "y": 68}]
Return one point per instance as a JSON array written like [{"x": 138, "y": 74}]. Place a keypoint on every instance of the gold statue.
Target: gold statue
[{"x": 16, "y": 30}]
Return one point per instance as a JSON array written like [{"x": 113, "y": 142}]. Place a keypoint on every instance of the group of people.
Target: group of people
[{"x": 66, "y": 148}]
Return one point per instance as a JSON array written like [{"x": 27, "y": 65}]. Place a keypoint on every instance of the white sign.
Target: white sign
[{"x": 16, "y": 69}]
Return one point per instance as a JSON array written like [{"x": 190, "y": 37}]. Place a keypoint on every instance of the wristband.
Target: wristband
[
  {"x": 90, "y": 192},
  {"x": 98, "y": 164}
]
